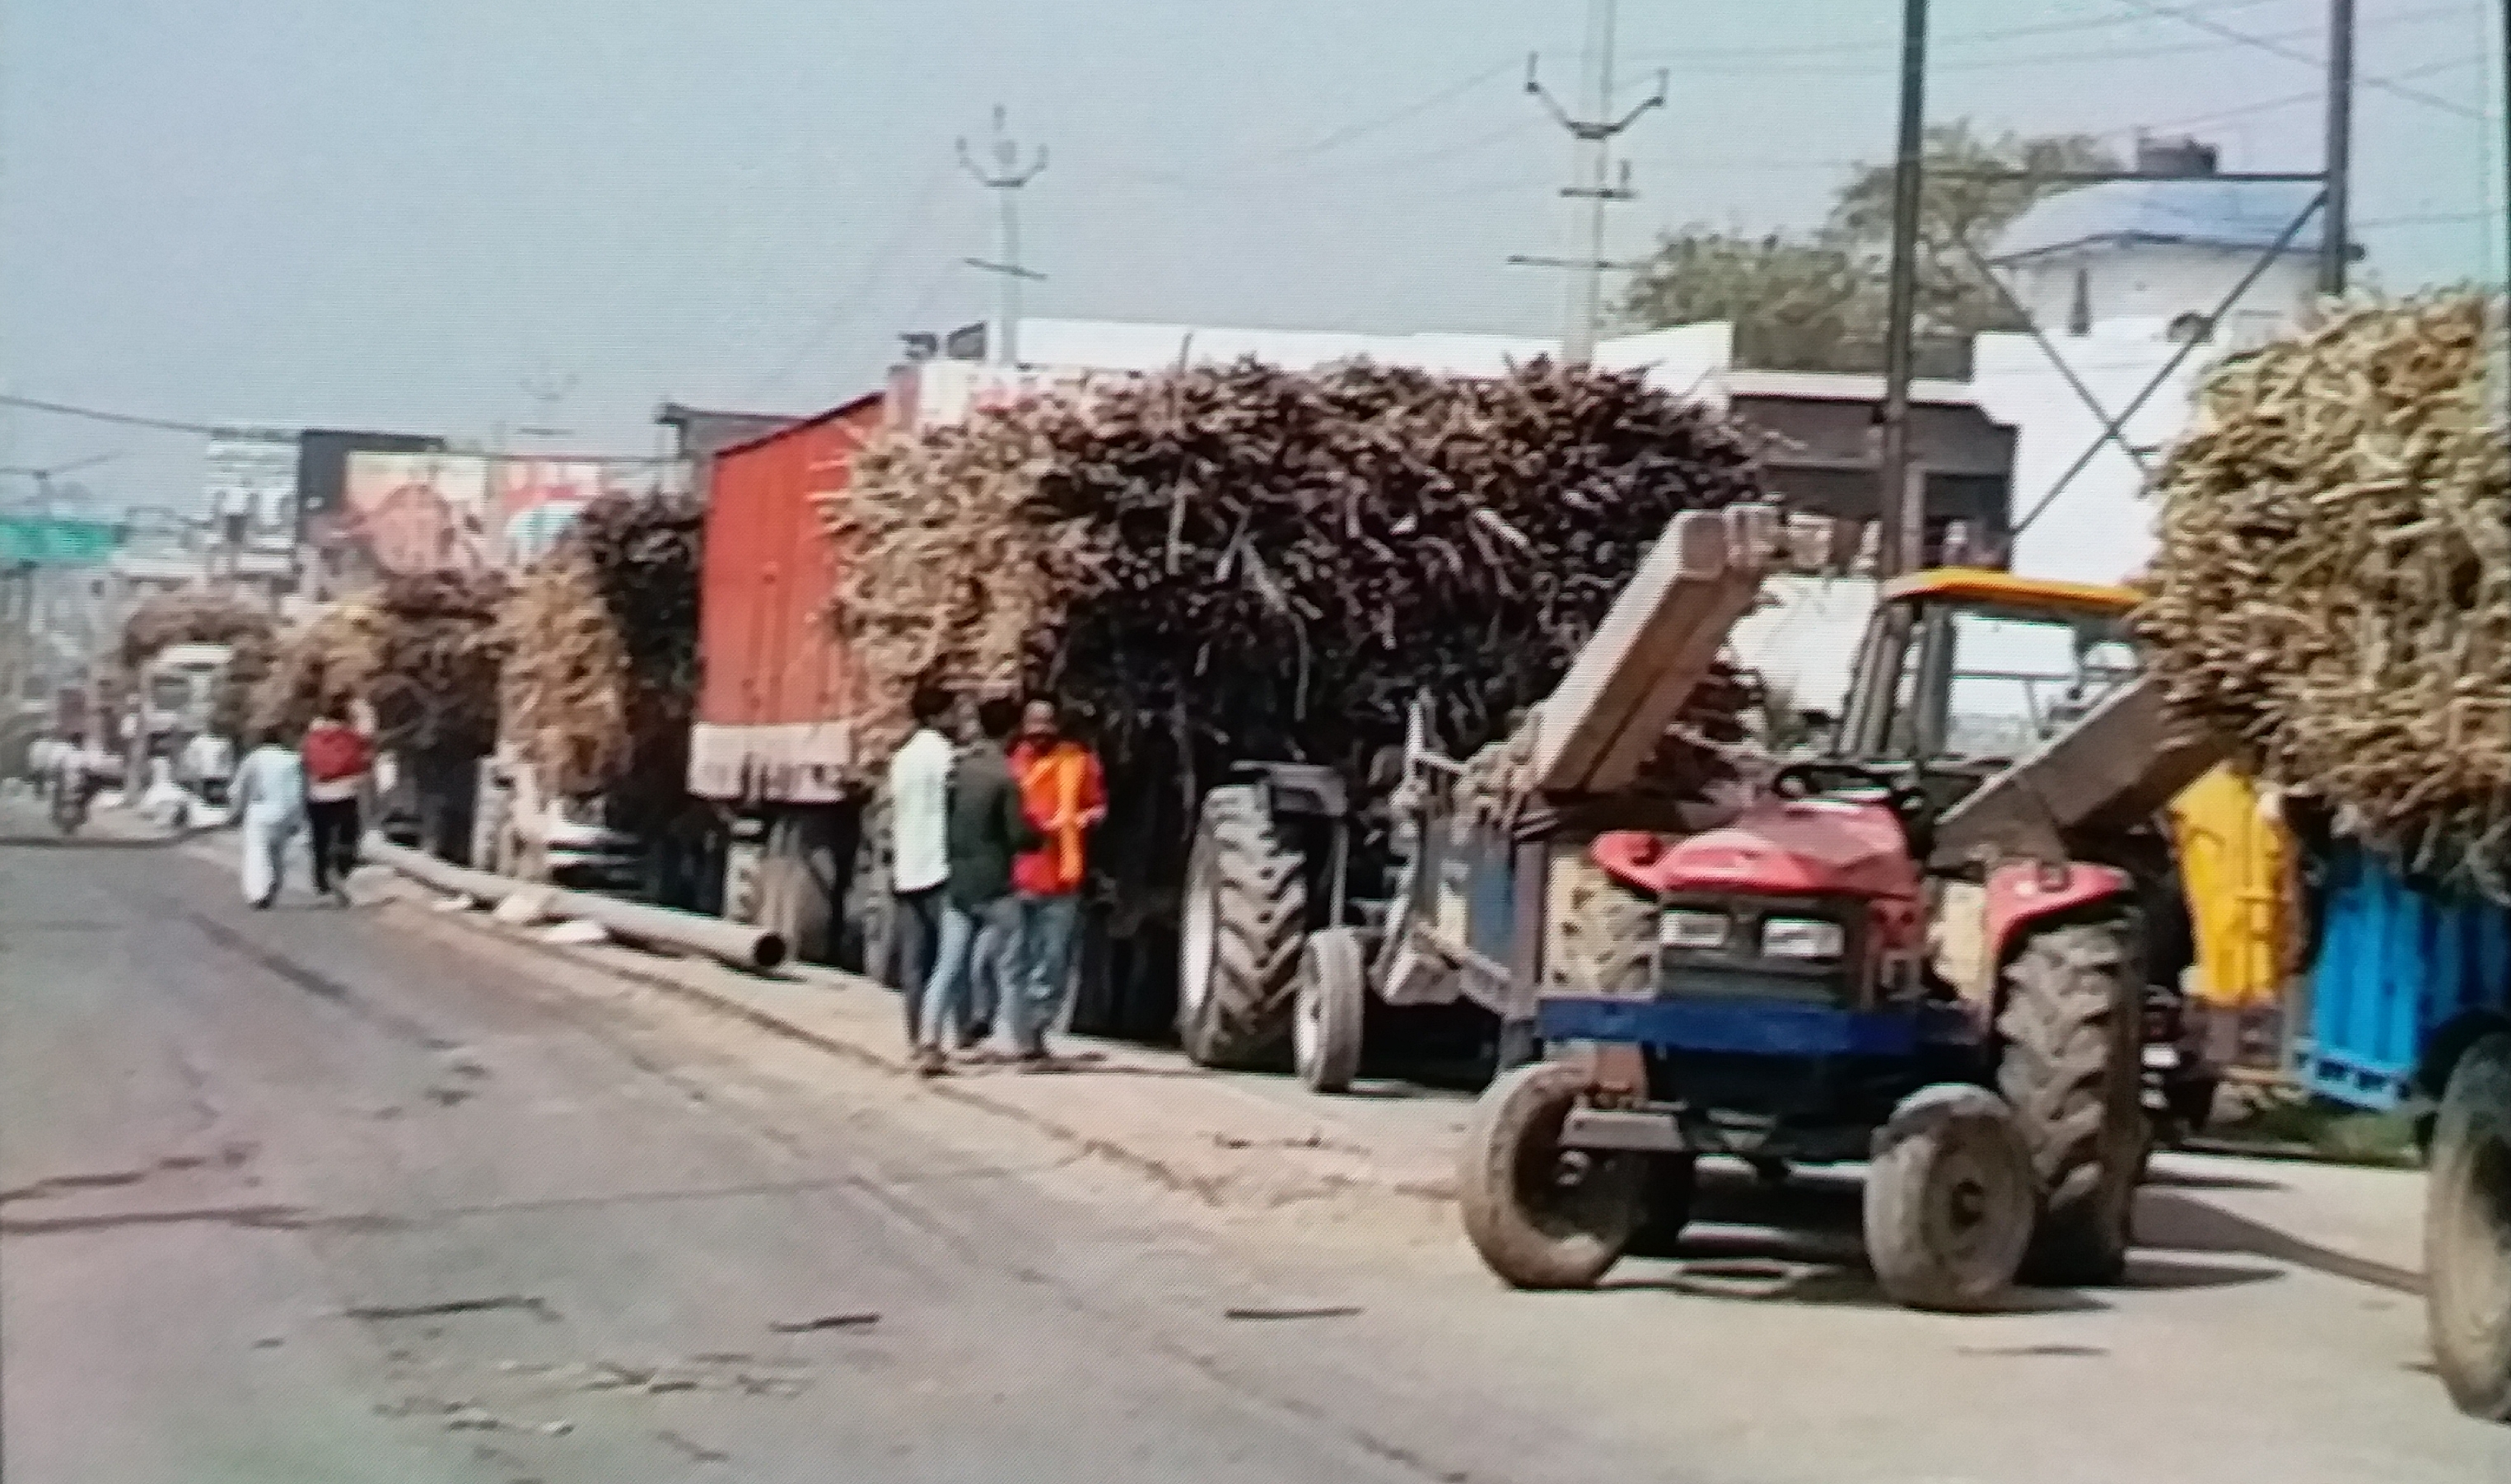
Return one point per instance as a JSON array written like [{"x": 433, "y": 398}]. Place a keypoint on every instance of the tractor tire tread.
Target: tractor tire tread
[
  {"x": 1259, "y": 919},
  {"x": 2070, "y": 1070}
]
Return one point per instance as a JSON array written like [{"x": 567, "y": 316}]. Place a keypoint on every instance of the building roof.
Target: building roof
[{"x": 2183, "y": 209}]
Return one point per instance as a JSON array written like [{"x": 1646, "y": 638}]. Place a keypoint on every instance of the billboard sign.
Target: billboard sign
[
  {"x": 538, "y": 498},
  {"x": 250, "y": 476},
  {"x": 404, "y": 514}
]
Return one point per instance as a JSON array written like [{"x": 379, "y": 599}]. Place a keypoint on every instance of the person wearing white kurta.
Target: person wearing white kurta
[{"x": 270, "y": 801}]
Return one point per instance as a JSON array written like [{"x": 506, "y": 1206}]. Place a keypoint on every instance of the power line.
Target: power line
[
  {"x": 1957, "y": 38},
  {"x": 94, "y": 414},
  {"x": 2274, "y": 45},
  {"x": 1350, "y": 131},
  {"x": 853, "y": 305},
  {"x": 1713, "y": 63},
  {"x": 215, "y": 430},
  {"x": 2288, "y": 101}
]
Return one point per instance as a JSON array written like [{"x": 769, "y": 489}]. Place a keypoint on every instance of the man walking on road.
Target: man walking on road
[
  {"x": 336, "y": 761},
  {"x": 986, "y": 831},
  {"x": 919, "y": 875},
  {"x": 1065, "y": 796},
  {"x": 270, "y": 799}
]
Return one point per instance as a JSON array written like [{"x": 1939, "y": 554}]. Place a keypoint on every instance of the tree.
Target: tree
[
  {"x": 1816, "y": 302},
  {"x": 1793, "y": 302}
]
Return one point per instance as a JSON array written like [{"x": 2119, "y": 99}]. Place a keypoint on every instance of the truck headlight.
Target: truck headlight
[
  {"x": 1697, "y": 930},
  {"x": 1800, "y": 938}
]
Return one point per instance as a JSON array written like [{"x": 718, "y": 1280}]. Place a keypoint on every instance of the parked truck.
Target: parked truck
[{"x": 773, "y": 747}]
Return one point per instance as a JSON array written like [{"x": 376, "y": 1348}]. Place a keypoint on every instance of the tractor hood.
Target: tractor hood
[{"x": 1778, "y": 847}]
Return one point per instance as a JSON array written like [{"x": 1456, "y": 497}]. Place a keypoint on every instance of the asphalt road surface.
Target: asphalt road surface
[{"x": 306, "y": 1195}]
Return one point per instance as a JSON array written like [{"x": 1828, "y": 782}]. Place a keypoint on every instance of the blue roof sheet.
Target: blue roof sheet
[{"x": 2226, "y": 213}]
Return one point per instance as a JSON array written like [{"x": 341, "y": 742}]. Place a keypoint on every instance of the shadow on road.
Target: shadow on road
[{"x": 2178, "y": 1223}]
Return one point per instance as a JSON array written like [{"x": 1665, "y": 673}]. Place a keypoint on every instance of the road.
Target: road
[{"x": 304, "y": 1194}]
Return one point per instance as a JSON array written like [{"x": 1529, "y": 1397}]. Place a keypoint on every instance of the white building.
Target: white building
[{"x": 2117, "y": 277}]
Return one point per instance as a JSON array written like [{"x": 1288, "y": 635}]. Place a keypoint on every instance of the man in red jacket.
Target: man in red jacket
[{"x": 337, "y": 760}]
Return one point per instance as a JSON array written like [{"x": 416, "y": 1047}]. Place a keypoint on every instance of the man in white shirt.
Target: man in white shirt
[
  {"x": 270, "y": 798},
  {"x": 920, "y": 812}
]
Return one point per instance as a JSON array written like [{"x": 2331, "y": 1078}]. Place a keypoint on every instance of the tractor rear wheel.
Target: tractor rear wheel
[
  {"x": 2467, "y": 1232},
  {"x": 1244, "y": 922},
  {"x": 1607, "y": 939},
  {"x": 1332, "y": 1000},
  {"x": 2070, "y": 1068},
  {"x": 1539, "y": 1215},
  {"x": 1949, "y": 1200}
]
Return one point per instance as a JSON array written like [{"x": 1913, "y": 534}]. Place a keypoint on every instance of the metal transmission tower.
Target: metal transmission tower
[
  {"x": 1597, "y": 184},
  {"x": 1005, "y": 182}
]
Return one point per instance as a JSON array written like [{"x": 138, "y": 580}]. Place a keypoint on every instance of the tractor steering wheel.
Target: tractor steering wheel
[{"x": 1901, "y": 795}]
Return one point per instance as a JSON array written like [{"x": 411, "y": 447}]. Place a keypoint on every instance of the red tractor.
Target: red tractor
[{"x": 1929, "y": 949}]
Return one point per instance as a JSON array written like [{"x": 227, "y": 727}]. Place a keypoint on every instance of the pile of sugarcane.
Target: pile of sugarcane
[
  {"x": 564, "y": 689},
  {"x": 205, "y": 618},
  {"x": 600, "y": 649},
  {"x": 422, "y": 651},
  {"x": 1247, "y": 561},
  {"x": 333, "y": 657},
  {"x": 2332, "y": 590}
]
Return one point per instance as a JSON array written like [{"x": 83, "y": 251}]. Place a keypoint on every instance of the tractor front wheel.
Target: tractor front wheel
[
  {"x": 1949, "y": 1201},
  {"x": 1542, "y": 1216},
  {"x": 2467, "y": 1232},
  {"x": 2072, "y": 1071},
  {"x": 1333, "y": 997}
]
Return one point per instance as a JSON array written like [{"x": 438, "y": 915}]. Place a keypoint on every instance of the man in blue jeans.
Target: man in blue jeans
[
  {"x": 1065, "y": 796},
  {"x": 978, "y": 915}
]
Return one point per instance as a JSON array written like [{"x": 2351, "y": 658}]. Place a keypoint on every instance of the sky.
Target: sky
[{"x": 458, "y": 215}]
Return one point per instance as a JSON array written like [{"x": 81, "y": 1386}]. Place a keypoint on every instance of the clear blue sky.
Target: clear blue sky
[{"x": 388, "y": 213}]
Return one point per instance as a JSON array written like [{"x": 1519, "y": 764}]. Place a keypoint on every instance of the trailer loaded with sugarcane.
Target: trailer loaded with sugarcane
[
  {"x": 2332, "y": 596},
  {"x": 1246, "y": 584}
]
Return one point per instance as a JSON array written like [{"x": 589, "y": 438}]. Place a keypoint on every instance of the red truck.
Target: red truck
[{"x": 773, "y": 746}]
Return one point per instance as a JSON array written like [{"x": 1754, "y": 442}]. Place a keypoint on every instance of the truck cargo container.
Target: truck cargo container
[{"x": 773, "y": 745}]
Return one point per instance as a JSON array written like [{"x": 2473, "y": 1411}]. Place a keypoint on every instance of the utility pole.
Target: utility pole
[
  {"x": 1005, "y": 181},
  {"x": 1595, "y": 186},
  {"x": 1893, "y": 480},
  {"x": 2338, "y": 163}
]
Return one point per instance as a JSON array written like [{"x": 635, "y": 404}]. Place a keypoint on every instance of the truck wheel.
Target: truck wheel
[
  {"x": 1539, "y": 1215},
  {"x": 2467, "y": 1232},
  {"x": 2070, "y": 1068},
  {"x": 1332, "y": 996},
  {"x": 1244, "y": 918},
  {"x": 871, "y": 945},
  {"x": 1949, "y": 1201},
  {"x": 1607, "y": 943},
  {"x": 744, "y": 901},
  {"x": 800, "y": 886}
]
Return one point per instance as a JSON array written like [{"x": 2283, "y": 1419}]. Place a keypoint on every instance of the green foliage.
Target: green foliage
[{"x": 1815, "y": 302}]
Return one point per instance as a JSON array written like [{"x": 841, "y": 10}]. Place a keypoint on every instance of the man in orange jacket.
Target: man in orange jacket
[{"x": 1065, "y": 796}]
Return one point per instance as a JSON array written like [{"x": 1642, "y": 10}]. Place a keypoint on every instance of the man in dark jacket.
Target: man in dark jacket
[{"x": 988, "y": 830}]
